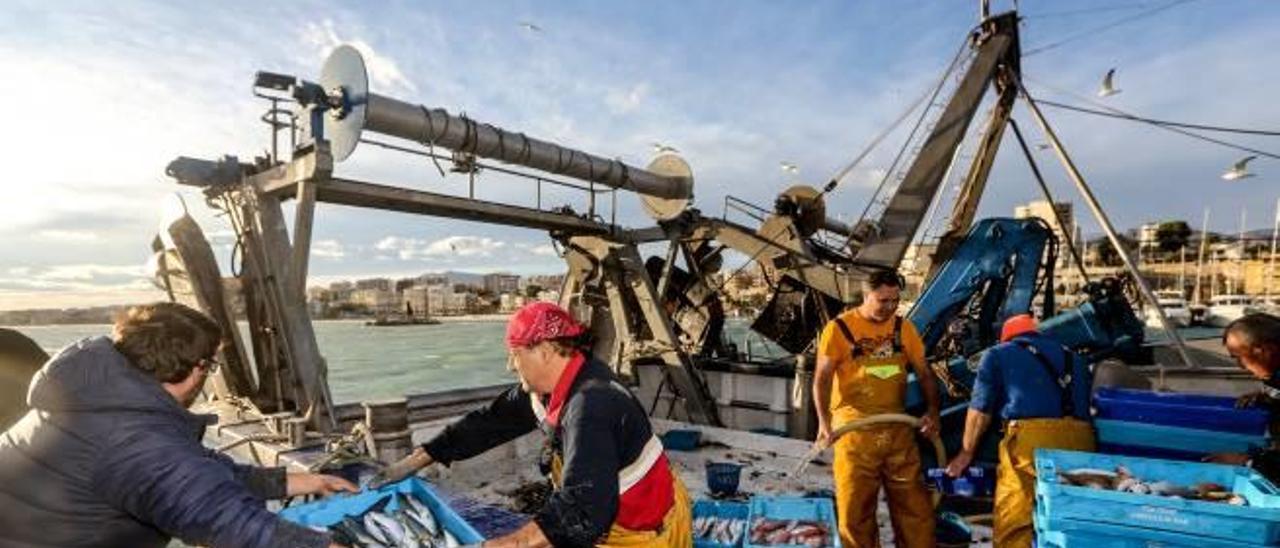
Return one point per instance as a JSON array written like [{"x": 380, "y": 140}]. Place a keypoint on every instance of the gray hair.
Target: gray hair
[{"x": 1257, "y": 329}]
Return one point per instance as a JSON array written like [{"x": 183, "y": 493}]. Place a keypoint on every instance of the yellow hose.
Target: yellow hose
[{"x": 888, "y": 418}]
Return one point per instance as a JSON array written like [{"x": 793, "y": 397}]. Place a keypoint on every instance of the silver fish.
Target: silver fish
[
  {"x": 394, "y": 532},
  {"x": 451, "y": 541},
  {"x": 425, "y": 518},
  {"x": 356, "y": 531},
  {"x": 375, "y": 530}
]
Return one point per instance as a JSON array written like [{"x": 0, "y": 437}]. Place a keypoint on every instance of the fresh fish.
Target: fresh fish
[
  {"x": 411, "y": 537},
  {"x": 354, "y": 529},
  {"x": 422, "y": 515},
  {"x": 395, "y": 533},
  {"x": 451, "y": 541},
  {"x": 375, "y": 531}
]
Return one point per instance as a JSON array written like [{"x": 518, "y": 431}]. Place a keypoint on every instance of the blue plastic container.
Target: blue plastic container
[
  {"x": 788, "y": 508},
  {"x": 732, "y": 510},
  {"x": 1066, "y": 533},
  {"x": 327, "y": 512},
  {"x": 1202, "y": 412},
  {"x": 977, "y": 481},
  {"x": 723, "y": 477},
  {"x": 1257, "y": 523},
  {"x": 1134, "y": 437},
  {"x": 681, "y": 440}
]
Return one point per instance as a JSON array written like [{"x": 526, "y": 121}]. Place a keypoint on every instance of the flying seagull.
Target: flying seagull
[
  {"x": 1108, "y": 86},
  {"x": 1042, "y": 146},
  {"x": 530, "y": 26},
  {"x": 1239, "y": 170},
  {"x": 659, "y": 148},
  {"x": 790, "y": 167}
]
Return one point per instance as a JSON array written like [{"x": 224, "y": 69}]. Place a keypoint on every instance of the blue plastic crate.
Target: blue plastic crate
[
  {"x": 1067, "y": 533},
  {"x": 1202, "y": 412},
  {"x": 797, "y": 508},
  {"x": 980, "y": 481},
  {"x": 327, "y": 512},
  {"x": 1195, "y": 443},
  {"x": 1258, "y": 523},
  {"x": 681, "y": 440},
  {"x": 735, "y": 510}
]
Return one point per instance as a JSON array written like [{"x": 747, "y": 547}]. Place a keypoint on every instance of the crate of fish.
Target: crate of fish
[
  {"x": 1174, "y": 442},
  {"x": 1069, "y": 533},
  {"x": 1210, "y": 500},
  {"x": 719, "y": 524},
  {"x": 792, "y": 521},
  {"x": 1198, "y": 411},
  {"x": 405, "y": 513}
]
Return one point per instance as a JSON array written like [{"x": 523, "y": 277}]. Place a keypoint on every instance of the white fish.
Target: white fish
[
  {"x": 451, "y": 541},
  {"x": 371, "y": 526},
  {"x": 395, "y": 533}
]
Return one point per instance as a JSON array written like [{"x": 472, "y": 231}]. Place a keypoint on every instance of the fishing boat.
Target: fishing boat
[
  {"x": 1224, "y": 309},
  {"x": 1174, "y": 307},
  {"x": 658, "y": 321}
]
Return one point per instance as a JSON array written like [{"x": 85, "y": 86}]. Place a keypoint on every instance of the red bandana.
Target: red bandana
[{"x": 540, "y": 321}]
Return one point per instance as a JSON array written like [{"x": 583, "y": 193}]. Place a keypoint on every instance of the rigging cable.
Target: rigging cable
[
  {"x": 1108, "y": 26},
  {"x": 1156, "y": 124},
  {"x": 1136, "y": 118}
]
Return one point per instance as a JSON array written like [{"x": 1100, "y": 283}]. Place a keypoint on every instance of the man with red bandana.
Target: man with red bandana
[{"x": 613, "y": 484}]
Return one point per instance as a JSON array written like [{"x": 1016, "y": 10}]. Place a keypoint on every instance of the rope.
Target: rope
[
  {"x": 889, "y": 418},
  {"x": 1165, "y": 127},
  {"x": 1089, "y": 32},
  {"x": 1136, "y": 118}
]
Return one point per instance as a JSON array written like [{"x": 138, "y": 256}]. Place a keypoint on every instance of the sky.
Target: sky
[{"x": 100, "y": 96}]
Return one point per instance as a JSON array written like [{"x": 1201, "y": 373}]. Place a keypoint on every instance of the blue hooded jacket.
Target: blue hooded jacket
[{"x": 106, "y": 457}]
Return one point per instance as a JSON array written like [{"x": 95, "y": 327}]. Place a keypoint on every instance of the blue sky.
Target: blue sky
[{"x": 100, "y": 96}]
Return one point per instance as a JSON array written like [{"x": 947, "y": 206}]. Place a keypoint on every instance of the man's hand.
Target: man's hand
[
  {"x": 929, "y": 424},
  {"x": 1234, "y": 459},
  {"x": 823, "y": 439},
  {"x": 1253, "y": 399},
  {"x": 402, "y": 468},
  {"x": 959, "y": 463},
  {"x": 317, "y": 484}
]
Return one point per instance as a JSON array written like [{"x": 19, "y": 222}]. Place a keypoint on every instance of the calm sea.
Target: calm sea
[{"x": 382, "y": 362}]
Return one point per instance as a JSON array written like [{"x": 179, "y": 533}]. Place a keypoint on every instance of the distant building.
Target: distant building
[
  {"x": 383, "y": 284},
  {"x": 417, "y": 299},
  {"x": 502, "y": 283},
  {"x": 377, "y": 301},
  {"x": 1042, "y": 210},
  {"x": 545, "y": 281}
]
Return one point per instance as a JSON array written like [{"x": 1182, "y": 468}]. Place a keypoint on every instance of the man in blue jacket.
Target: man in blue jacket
[
  {"x": 109, "y": 456},
  {"x": 1041, "y": 391}
]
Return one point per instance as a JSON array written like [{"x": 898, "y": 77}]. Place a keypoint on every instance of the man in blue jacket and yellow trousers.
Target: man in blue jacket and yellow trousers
[{"x": 1041, "y": 390}]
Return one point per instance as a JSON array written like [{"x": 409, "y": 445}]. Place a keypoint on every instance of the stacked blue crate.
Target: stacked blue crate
[
  {"x": 1069, "y": 515},
  {"x": 1175, "y": 426}
]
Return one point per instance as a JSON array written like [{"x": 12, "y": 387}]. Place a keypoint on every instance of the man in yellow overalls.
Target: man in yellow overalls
[
  {"x": 1041, "y": 390},
  {"x": 861, "y": 372}
]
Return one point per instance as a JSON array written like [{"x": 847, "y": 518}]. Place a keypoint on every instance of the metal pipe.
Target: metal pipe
[
  {"x": 352, "y": 108},
  {"x": 1110, "y": 230}
]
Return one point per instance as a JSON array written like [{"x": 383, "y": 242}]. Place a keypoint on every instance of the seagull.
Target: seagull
[
  {"x": 1108, "y": 88},
  {"x": 659, "y": 148},
  {"x": 1042, "y": 146},
  {"x": 790, "y": 167},
  {"x": 453, "y": 248},
  {"x": 530, "y": 26},
  {"x": 1239, "y": 170}
]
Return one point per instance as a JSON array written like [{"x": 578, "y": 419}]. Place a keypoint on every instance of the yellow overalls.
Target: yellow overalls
[
  {"x": 1016, "y": 473},
  {"x": 871, "y": 379},
  {"x": 677, "y": 526}
]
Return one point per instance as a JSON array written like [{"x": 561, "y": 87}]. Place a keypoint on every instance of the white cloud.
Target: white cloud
[
  {"x": 622, "y": 101},
  {"x": 67, "y": 235},
  {"x": 384, "y": 73},
  {"x": 545, "y": 250},
  {"x": 409, "y": 249},
  {"x": 328, "y": 249}
]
